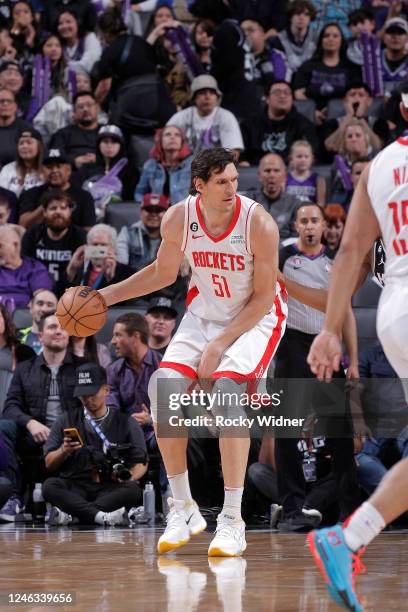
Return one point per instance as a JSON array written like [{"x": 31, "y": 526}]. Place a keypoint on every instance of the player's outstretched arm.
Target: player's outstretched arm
[
  {"x": 163, "y": 271},
  {"x": 360, "y": 232}
]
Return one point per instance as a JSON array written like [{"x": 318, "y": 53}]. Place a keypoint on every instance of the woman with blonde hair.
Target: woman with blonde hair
[{"x": 355, "y": 142}]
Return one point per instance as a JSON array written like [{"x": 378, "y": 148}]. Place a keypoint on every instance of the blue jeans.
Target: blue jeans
[{"x": 370, "y": 461}]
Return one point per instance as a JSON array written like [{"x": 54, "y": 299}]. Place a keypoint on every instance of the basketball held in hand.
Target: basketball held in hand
[{"x": 81, "y": 311}]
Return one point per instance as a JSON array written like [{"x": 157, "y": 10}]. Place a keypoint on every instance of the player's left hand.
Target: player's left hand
[
  {"x": 325, "y": 355},
  {"x": 210, "y": 361}
]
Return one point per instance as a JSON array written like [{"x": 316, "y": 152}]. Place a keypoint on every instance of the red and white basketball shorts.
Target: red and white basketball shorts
[{"x": 247, "y": 358}]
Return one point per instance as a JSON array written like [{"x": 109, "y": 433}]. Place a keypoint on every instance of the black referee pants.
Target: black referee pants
[
  {"x": 300, "y": 400},
  {"x": 85, "y": 499}
]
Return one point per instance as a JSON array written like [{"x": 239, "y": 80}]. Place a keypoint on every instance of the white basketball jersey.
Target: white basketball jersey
[
  {"x": 222, "y": 266},
  {"x": 388, "y": 191}
]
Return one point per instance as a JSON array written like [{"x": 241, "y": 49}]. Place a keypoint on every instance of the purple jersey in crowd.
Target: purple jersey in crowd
[{"x": 305, "y": 190}]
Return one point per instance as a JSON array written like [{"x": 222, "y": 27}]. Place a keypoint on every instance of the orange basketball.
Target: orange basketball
[{"x": 81, "y": 311}]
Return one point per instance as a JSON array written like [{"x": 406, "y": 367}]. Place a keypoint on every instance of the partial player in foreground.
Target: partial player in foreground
[
  {"x": 379, "y": 207},
  {"x": 236, "y": 317}
]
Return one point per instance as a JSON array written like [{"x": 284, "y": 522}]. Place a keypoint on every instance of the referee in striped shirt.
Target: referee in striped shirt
[{"x": 309, "y": 263}]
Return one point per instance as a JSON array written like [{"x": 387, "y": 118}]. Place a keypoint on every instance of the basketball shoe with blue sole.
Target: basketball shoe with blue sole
[{"x": 338, "y": 564}]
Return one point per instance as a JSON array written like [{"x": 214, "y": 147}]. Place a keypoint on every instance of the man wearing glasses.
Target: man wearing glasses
[{"x": 275, "y": 130}]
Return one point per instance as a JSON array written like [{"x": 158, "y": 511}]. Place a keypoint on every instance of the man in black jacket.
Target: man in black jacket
[
  {"x": 278, "y": 128},
  {"x": 98, "y": 473},
  {"x": 41, "y": 389}
]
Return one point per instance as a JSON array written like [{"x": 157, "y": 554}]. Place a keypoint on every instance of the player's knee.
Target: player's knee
[
  {"x": 228, "y": 398},
  {"x": 165, "y": 385}
]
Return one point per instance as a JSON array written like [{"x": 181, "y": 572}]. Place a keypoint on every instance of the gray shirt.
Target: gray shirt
[
  {"x": 311, "y": 271},
  {"x": 54, "y": 408},
  {"x": 282, "y": 209}
]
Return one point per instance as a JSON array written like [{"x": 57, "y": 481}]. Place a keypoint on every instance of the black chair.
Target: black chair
[
  {"x": 140, "y": 147},
  {"x": 306, "y": 108},
  {"x": 119, "y": 214},
  {"x": 248, "y": 179},
  {"x": 367, "y": 296},
  {"x": 366, "y": 319},
  {"x": 335, "y": 108},
  {"x": 324, "y": 170},
  {"x": 22, "y": 318}
]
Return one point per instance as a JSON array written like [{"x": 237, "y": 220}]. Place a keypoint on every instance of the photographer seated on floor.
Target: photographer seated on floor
[{"x": 99, "y": 453}]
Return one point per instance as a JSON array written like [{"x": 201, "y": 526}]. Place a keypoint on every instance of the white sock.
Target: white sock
[
  {"x": 180, "y": 486},
  {"x": 365, "y": 524},
  {"x": 100, "y": 518},
  {"x": 233, "y": 501}
]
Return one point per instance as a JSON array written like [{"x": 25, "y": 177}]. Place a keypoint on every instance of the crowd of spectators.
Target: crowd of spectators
[{"x": 105, "y": 103}]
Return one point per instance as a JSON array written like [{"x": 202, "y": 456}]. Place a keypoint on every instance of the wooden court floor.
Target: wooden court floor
[{"x": 118, "y": 570}]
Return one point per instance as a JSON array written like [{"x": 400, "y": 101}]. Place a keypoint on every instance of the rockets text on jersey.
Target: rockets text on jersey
[{"x": 222, "y": 266}]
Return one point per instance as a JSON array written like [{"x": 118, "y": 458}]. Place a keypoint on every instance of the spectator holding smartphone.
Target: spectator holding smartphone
[
  {"x": 86, "y": 446},
  {"x": 95, "y": 264}
]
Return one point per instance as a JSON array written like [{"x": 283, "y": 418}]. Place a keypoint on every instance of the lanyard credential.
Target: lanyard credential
[{"x": 97, "y": 429}]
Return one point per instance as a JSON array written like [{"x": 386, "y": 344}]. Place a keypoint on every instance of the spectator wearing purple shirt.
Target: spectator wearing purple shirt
[
  {"x": 20, "y": 276},
  {"x": 129, "y": 376}
]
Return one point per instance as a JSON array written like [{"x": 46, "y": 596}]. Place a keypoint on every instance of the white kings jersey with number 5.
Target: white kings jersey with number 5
[
  {"x": 222, "y": 266},
  {"x": 387, "y": 188}
]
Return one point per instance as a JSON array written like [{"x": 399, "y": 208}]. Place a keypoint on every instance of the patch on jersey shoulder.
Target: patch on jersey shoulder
[{"x": 194, "y": 226}]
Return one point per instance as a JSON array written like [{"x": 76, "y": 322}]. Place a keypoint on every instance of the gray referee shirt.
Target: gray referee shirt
[{"x": 311, "y": 271}]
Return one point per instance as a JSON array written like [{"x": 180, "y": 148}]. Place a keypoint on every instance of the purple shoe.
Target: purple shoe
[{"x": 11, "y": 508}]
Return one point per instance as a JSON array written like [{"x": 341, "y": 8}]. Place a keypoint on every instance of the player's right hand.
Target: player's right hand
[{"x": 325, "y": 355}]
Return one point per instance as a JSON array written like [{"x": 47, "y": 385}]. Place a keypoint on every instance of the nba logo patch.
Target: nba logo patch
[{"x": 297, "y": 262}]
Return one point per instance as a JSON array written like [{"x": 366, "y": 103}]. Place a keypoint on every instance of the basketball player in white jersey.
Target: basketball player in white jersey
[
  {"x": 235, "y": 319},
  {"x": 379, "y": 207}
]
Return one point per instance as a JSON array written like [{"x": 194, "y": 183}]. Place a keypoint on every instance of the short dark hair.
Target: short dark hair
[
  {"x": 82, "y": 94},
  {"x": 111, "y": 21},
  {"x": 360, "y": 15},
  {"x": 45, "y": 316},
  {"x": 358, "y": 85},
  {"x": 301, "y": 6},
  {"x": 55, "y": 194},
  {"x": 361, "y": 160},
  {"x": 135, "y": 322},
  {"x": 207, "y": 162},
  {"x": 278, "y": 82},
  {"x": 305, "y": 204}
]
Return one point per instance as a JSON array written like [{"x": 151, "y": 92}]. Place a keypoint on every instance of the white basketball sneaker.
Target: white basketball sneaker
[
  {"x": 183, "y": 521},
  {"x": 229, "y": 540}
]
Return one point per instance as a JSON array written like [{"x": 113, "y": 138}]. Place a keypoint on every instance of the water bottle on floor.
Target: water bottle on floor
[
  {"x": 149, "y": 502},
  {"x": 38, "y": 503}
]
